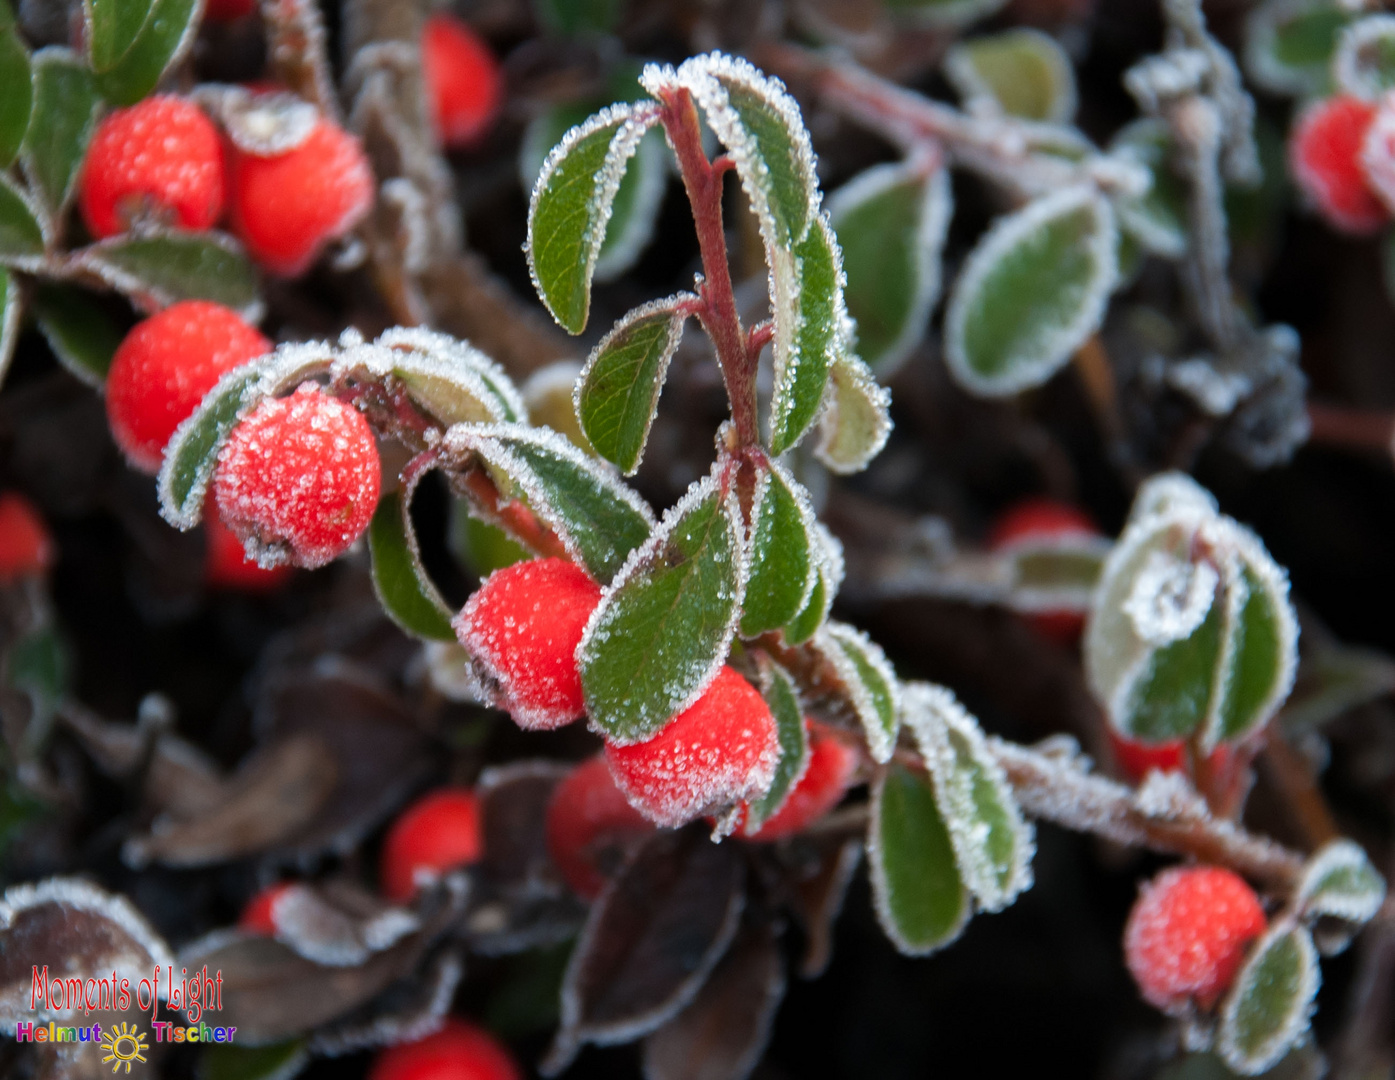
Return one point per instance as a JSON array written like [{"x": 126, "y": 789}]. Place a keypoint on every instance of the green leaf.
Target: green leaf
[
  {"x": 804, "y": 625},
  {"x": 1023, "y": 72},
  {"x": 112, "y": 28},
  {"x": 809, "y": 326},
  {"x": 1257, "y": 662},
  {"x": 60, "y": 126},
  {"x": 856, "y": 418},
  {"x": 157, "y": 269},
  {"x": 78, "y": 330},
  {"x": 921, "y": 901},
  {"x": 992, "y": 842},
  {"x": 399, "y": 579},
  {"x": 11, "y": 308},
  {"x": 827, "y": 555},
  {"x": 663, "y": 628},
  {"x": 451, "y": 379},
  {"x": 599, "y": 520},
  {"x": 618, "y": 390},
  {"x": 1158, "y": 218},
  {"x": 1054, "y": 574},
  {"x": 778, "y": 689},
  {"x": 279, "y": 1061},
  {"x": 481, "y": 546},
  {"x": 1339, "y": 881},
  {"x": 165, "y": 37},
  {"x": 1365, "y": 61},
  {"x": 1268, "y": 1007},
  {"x": 1173, "y": 696},
  {"x": 891, "y": 223},
  {"x": 1289, "y": 44},
  {"x": 783, "y": 572},
  {"x": 571, "y": 207},
  {"x": 871, "y": 683},
  {"x": 21, "y": 234},
  {"x": 16, "y": 93},
  {"x": 579, "y": 18},
  {"x": 1031, "y": 292}
]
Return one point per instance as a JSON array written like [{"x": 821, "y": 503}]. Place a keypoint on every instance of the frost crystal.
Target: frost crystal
[{"x": 1170, "y": 597}]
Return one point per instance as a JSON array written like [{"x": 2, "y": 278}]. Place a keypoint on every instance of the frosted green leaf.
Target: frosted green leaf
[
  {"x": 78, "y": 330},
  {"x": 870, "y": 681},
  {"x": 1054, "y": 573},
  {"x": 401, "y": 582},
  {"x": 21, "y": 228},
  {"x": 1289, "y": 44},
  {"x": 1270, "y": 1002},
  {"x": 1364, "y": 63},
  {"x": 60, "y": 125},
  {"x": 481, "y": 547},
  {"x": 165, "y": 36},
  {"x": 617, "y": 393},
  {"x": 1021, "y": 72},
  {"x": 891, "y": 223},
  {"x": 1158, "y": 218},
  {"x": 856, "y": 418},
  {"x": 920, "y": 899},
  {"x": 11, "y": 309},
  {"x": 944, "y": 12},
  {"x": 806, "y": 291},
  {"x": 778, "y": 690},
  {"x": 783, "y": 567},
  {"x": 112, "y": 28},
  {"x": 572, "y": 204},
  {"x": 159, "y": 268},
  {"x": 827, "y": 553},
  {"x": 663, "y": 627},
  {"x": 16, "y": 94},
  {"x": 450, "y": 378},
  {"x": 1031, "y": 292},
  {"x": 1339, "y": 881}
]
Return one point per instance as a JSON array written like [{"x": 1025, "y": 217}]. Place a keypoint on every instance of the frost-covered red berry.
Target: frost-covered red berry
[
  {"x": 589, "y": 825},
  {"x": 720, "y": 750},
  {"x": 827, "y": 776},
  {"x": 522, "y": 627},
  {"x": 165, "y": 366},
  {"x": 1324, "y": 154},
  {"x": 463, "y": 83},
  {"x": 1187, "y": 933},
  {"x": 458, "y": 1051},
  {"x": 259, "y": 916},
  {"x": 162, "y": 157},
  {"x": 441, "y": 831},
  {"x": 298, "y": 478},
  {"x": 226, "y": 565},
  {"x": 1137, "y": 759},
  {"x": 286, "y": 207},
  {"x": 26, "y": 548},
  {"x": 1035, "y": 521}
]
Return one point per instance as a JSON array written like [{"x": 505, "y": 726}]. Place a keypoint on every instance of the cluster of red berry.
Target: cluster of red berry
[{"x": 1342, "y": 155}]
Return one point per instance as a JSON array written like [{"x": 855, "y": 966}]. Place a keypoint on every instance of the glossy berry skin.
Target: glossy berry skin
[
  {"x": 458, "y": 1051},
  {"x": 1324, "y": 155},
  {"x": 1186, "y": 936},
  {"x": 226, "y": 565},
  {"x": 286, "y": 207},
  {"x": 522, "y": 628},
  {"x": 163, "y": 369},
  {"x": 720, "y": 750},
  {"x": 298, "y": 479},
  {"x": 441, "y": 831},
  {"x": 464, "y": 86},
  {"x": 827, "y": 776},
  {"x": 259, "y": 916},
  {"x": 1037, "y": 520},
  {"x": 161, "y": 154},
  {"x": 26, "y": 547},
  {"x": 589, "y": 822}
]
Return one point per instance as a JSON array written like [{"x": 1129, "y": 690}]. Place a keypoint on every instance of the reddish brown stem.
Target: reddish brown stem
[
  {"x": 1351, "y": 429},
  {"x": 514, "y": 516}
]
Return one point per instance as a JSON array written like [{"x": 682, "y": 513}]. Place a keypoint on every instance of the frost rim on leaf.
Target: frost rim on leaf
[
  {"x": 1347, "y": 64},
  {"x": 450, "y": 351},
  {"x": 644, "y": 212},
  {"x": 963, "y": 74},
  {"x": 1261, "y": 40},
  {"x": 849, "y": 376},
  {"x": 836, "y": 642},
  {"x": 1340, "y": 854},
  {"x": 807, "y": 518},
  {"x": 1272, "y": 1051}
]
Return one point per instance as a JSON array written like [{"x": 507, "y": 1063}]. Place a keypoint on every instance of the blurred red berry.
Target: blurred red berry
[
  {"x": 26, "y": 547},
  {"x": 1137, "y": 758},
  {"x": 160, "y": 156},
  {"x": 286, "y": 207},
  {"x": 1034, "y": 521},
  {"x": 720, "y": 750},
  {"x": 259, "y": 916},
  {"x": 298, "y": 478},
  {"x": 463, "y": 83},
  {"x": 1187, "y": 933},
  {"x": 441, "y": 831},
  {"x": 827, "y": 777},
  {"x": 459, "y": 1051},
  {"x": 165, "y": 366},
  {"x": 228, "y": 10},
  {"x": 589, "y": 821},
  {"x": 1324, "y": 154},
  {"x": 226, "y": 565}
]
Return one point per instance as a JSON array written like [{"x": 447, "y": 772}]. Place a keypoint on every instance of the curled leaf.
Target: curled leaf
[
  {"x": 1269, "y": 1005},
  {"x": 871, "y": 683},
  {"x": 1339, "y": 881},
  {"x": 782, "y": 557},
  {"x": 856, "y": 420}
]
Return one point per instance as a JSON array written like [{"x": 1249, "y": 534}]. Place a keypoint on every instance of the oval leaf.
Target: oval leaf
[
  {"x": 827, "y": 553},
  {"x": 891, "y": 223},
  {"x": 921, "y": 902},
  {"x": 21, "y": 234},
  {"x": 165, "y": 36},
  {"x": 778, "y": 690},
  {"x": 157, "y": 269},
  {"x": 1339, "y": 881},
  {"x": 78, "y": 330},
  {"x": 856, "y": 418},
  {"x": 450, "y": 378},
  {"x": 1019, "y": 72},
  {"x": 399, "y": 579},
  {"x": 782, "y": 561},
  {"x": 63, "y": 117},
  {"x": 112, "y": 28},
  {"x": 618, "y": 391},
  {"x": 1268, "y": 1007},
  {"x": 663, "y": 628},
  {"x": 1289, "y": 44},
  {"x": 1031, "y": 292},
  {"x": 16, "y": 94},
  {"x": 1157, "y": 219},
  {"x": 871, "y": 683},
  {"x": 806, "y": 289}
]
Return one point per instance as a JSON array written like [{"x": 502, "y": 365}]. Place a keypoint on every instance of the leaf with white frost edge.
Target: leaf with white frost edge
[
  {"x": 856, "y": 419},
  {"x": 1364, "y": 63},
  {"x": 1289, "y": 44},
  {"x": 455, "y": 358},
  {"x": 1157, "y": 219},
  {"x": 780, "y": 694},
  {"x": 782, "y": 560},
  {"x": 871, "y": 682},
  {"x": 617, "y": 393},
  {"x": 891, "y": 222},
  {"x": 1031, "y": 292},
  {"x": 1021, "y": 72},
  {"x": 827, "y": 553},
  {"x": 60, "y": 126},
  {"x": 663, "y": 627},
  {"x": 571, "y": 207},
  {"x": 1339, "y": 881},
  {"x": 10, "y": 311},
  {"x": 400, "y": 581},
  {"x": 993, "y": 843},
  {"x": 1271, "y": 1001}
]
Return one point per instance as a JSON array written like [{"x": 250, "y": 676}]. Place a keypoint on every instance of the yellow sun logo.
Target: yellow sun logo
[{"x": 123, "y": 1045}]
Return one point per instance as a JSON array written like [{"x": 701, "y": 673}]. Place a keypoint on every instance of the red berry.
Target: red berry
[
  {"x": 463, "y": 83},
  {"x": 226, "y": 565},
  {"x": 1137, "y": 758},
  {"x": 1187, "y": 933},
  {"x": 161, "y": 155},
  {"x": 1324, "y": 154},
  {"x": 720, "y": 750},
  {"x": 165, "y": 366},
  {"x": 286, "y": 207},
  {"x": 1033, "y": 521},
  {"x": 259, "y": 916},
  {"x": 459, "y": 1051},
  {"x": 589, "y": 821},
  {"x": 441, "y": 831},
  {"x": 26, "y": 548},
  {"x": 828, "y": 775},
  {"x": 298, "y": 478},
  {"x": 228, "y": 10},
  {"x": 522, "y": 627}
]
